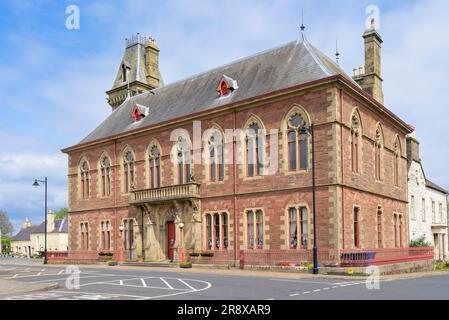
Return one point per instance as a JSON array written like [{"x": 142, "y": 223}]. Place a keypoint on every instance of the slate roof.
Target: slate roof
[
  {"x": 61, "y": 226},
  {"x": 292, "y": 64},
  {"x": 436, "y": 187},
  {"x": 23, "y": 234},
  {"x": 133, "y": 58}
]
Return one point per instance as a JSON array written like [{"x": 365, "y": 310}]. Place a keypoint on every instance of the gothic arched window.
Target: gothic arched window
[
  {"x": 396, "y": 162},
  {"x": 356, "y": 136},
  {"x": 216, "y": 157},
  {"x": 128, "y": 171},
  {"x": 155, "y": 167},
  {"x": 378, "y": 156},
  {"x": 297, "y": 143},
  {"x": 254, "y": 150},
  {"x": 184, "y": 161},
  {"x": 85, "y": 180},
  {"x": 105, "y": 176}
]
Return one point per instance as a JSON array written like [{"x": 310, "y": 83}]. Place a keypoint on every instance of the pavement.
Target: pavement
[{"x": 138, "y": 283}]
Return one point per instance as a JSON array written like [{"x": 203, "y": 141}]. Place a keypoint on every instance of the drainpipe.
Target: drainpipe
[
  {"x": 116, "y": 231},
  {"x": 234, "y": 166},
  {"x": 342, "y": 168}
]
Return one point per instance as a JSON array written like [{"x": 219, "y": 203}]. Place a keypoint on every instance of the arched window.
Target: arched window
[
  {"x": 378, "y": 156},
  {"x": 85, "y": 180},
  {"x": 105, "y": 176},
  {"x": 184, "y": 161},
  {"x": 254, "y": 142},
  {"x": 84, "y": 241},
  {"x": 128, "y": 170},
  {"x": 297, "y": 143},
  {"x": 396, "y": 162},
  {"x": 216, "y": 156},
  {"x": 356, "y": 134},
  {"x": 155, "y": 167}
]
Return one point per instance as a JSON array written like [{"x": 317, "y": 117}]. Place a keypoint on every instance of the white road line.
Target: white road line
[
  {"x": 168, "y": 285},
  {"x": 121, "y": 282},
  {"x": 15, "y": 276},
  {"x": 61, "y": 272},
  {"x": 178, "y": 293},
  {"x": 317, "y": 290},
  {"x": 136, "y": 286},
  {"x": 307, "y": 292},
  {"x": 325, "y": 289},
  {"x": 188, "y": 285},
  {"x": 93, "y": 293},
  {"x": 294, "y": 295},
  {"x": 39, "y": 273},
  {"x": 302, "y": 281},
  {"x": 143, "y": 283},
  {"x": 271, "y": 299}
]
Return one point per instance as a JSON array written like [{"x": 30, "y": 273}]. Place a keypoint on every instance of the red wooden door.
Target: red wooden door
[{"x": 171, "y": 239}]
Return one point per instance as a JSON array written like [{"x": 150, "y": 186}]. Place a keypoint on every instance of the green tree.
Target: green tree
[
  {"x": 61, "y": 213},
  {"x": 6, "y": 244},
  {"x": 5, "y": 223}
]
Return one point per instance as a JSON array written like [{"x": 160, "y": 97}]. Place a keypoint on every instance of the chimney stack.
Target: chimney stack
[
  {"x": 50, "y": 221},
  {"x": 152, "y": 63},
  {"x": 413, "y": 148},
  {"x": 371, "y": 80}
]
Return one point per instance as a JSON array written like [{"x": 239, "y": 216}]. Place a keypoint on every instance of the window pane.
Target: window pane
[
  {"x": 304, "y": 227},
  {"x": 293, "y": 228},
  {"x": 260, "y": 229},
  {"x": 250, "y": 157},
  {"x": 224, "y": 219},
  {"x": 217, "y": 231},
  {"x": 213, "y": 168},
  {"x": 304, "y": 154},
  {"x": 250, "y": 229},
  {"x": 292, "y": 151}
]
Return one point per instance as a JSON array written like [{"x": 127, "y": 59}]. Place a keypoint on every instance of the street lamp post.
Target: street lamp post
[
  {"x": 304, "y": 131},
  {"x": 36, "y": 184},
  {"x": 181, "y": 253}
]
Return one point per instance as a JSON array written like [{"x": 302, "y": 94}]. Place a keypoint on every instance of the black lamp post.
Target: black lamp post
[
  {"x": 36, "y": 184},
  {"x": 304, "y": 131}
]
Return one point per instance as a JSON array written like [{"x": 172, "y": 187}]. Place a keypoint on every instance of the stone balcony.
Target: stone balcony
[{"x": 164, "y": 194}]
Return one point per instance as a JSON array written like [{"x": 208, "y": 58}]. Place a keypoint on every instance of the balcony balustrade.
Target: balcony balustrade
[{"x": 180, "y": 192}]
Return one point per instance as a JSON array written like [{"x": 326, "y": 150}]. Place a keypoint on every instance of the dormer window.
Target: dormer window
[
  {"x": 226, "y": 86},
  {"x": 139, "y": 112}
]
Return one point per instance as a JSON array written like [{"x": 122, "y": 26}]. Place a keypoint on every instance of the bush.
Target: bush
[
  {"x": 420, "y": 243},
  {"x": 185, "y": 265},
  {"x": 112, "y": 263}
]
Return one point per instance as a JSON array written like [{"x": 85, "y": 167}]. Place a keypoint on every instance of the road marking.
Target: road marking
[
  {"x": 271, "y": 299},
  {"x": 188, "y": 285},
  {"x": 121, "y": 282},
  {"x": 307, "y": 292},
  {"x": 325, "y": 289},
  {"x": 294, "y": 295},
  {"x": 39, "y": 273},
  {"x": 168, "y": 285},
  {"x": 303, "y": 281},
  {"x": 15, "y": 276},
  {"x": 143, "y": 283},
  {"x": 61, "y": 272},
  {"x": 317, "y": 290}
]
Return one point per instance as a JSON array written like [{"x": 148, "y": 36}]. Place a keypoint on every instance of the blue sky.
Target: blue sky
[{"x": 52, "y": 80}]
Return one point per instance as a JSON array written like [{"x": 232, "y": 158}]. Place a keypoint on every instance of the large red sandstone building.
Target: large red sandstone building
[{"x": 143, "y": 182}]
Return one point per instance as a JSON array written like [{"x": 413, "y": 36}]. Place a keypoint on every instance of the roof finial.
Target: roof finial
[
  {"x": 302, "y": 21},
  {"x": 337, "y": 53}
]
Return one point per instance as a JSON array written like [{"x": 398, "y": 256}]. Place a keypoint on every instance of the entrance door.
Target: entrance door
[{"x": 171, "y": 239}]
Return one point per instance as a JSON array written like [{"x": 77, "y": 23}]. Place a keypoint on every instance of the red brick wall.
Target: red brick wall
[{"x": 272, "y": 193}]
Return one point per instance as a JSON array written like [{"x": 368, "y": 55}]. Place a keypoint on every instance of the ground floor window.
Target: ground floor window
[
  {"x": 105, "y": 235},
  {"x": 357, "y": 227},
  {"x": 298, "y": 227},
  {"x": 255, "y": 229},
  {"x": 84, "y": 237},
  {"x": 397, "y": 229},
  {"x": 217, "y": 231}
]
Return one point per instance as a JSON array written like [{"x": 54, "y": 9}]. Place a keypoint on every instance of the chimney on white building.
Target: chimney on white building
[{"x": 50, "y": 221}]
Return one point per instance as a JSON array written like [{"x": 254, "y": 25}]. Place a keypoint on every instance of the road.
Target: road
[{"x": 118, "y": 283}]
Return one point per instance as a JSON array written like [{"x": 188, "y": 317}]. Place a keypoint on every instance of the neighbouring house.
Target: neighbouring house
[
  {"x": 30, "y": 240},
  {"x": 427, "y": 204},
  {"x": 144, "y": 184}
]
